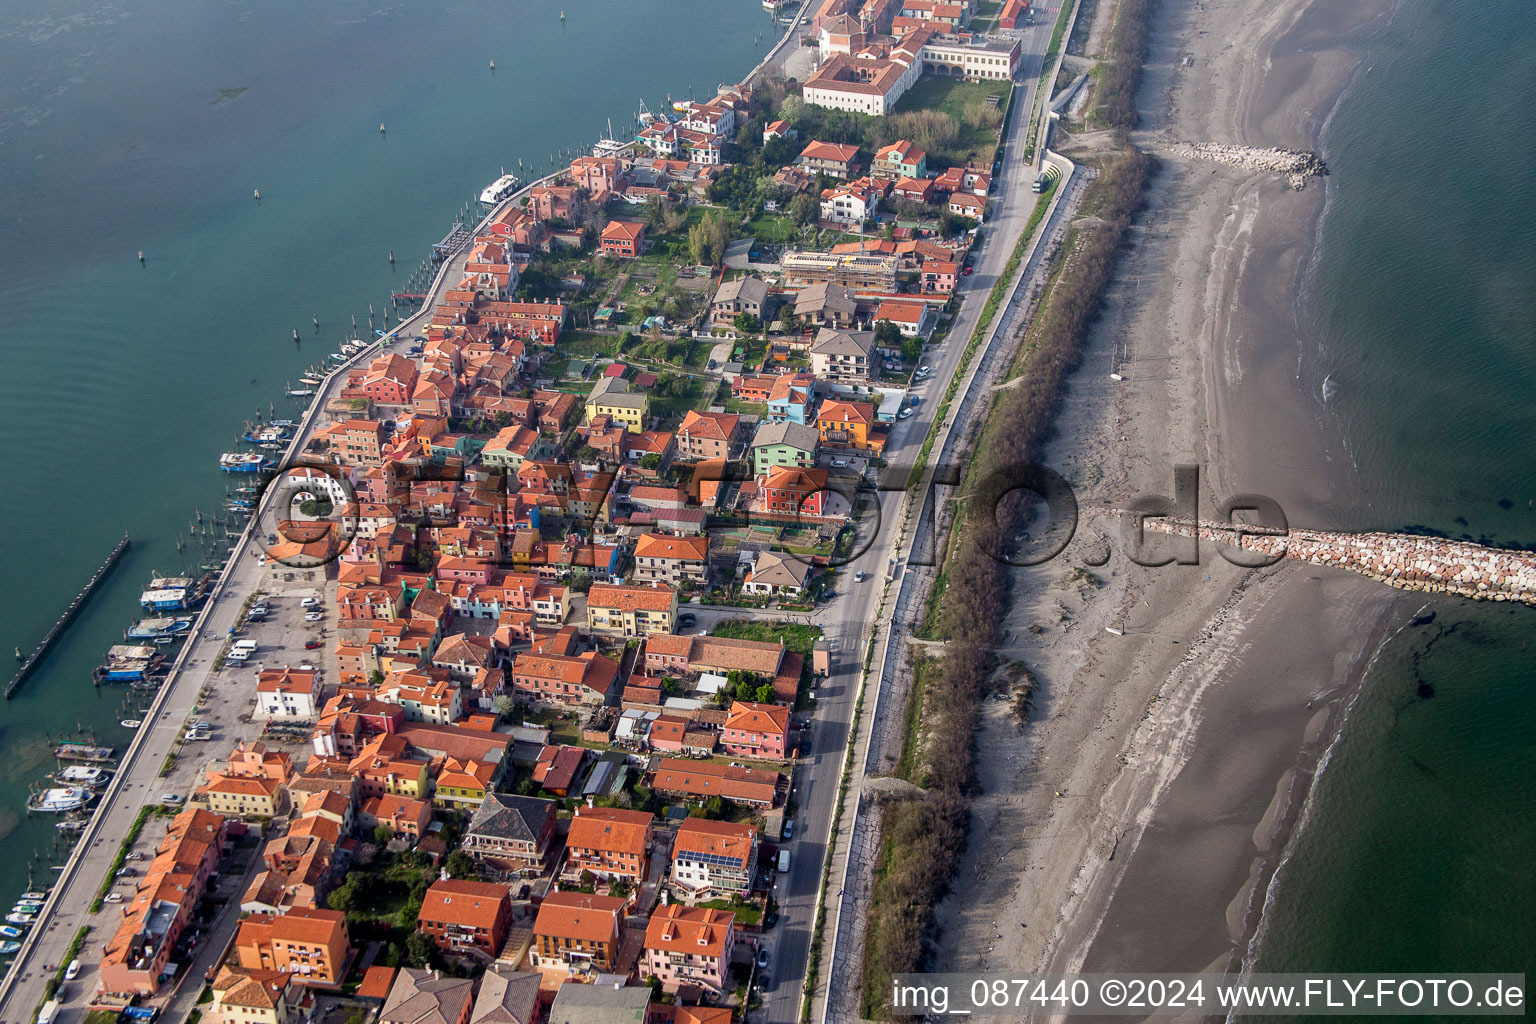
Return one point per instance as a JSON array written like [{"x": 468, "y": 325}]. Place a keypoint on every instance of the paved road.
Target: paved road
[{"x": 848, "y": 621}]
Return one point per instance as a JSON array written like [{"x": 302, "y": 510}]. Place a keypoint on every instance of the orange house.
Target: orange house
[
  {"x": 310, "y": 944},
  {"x": 610, "y": 843},
  {"x": 622, "y": 238}
]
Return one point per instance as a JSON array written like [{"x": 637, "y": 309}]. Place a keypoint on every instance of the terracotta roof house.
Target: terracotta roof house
[
  {"x": 663, "y": 558},
  {"x": 713, "y": 859},
  {"x": 609, "y": 842},
  {"x": 622, "y": 238},
  {"x": 901, "y": 159},
  {"x": 586, "y": 678},
  {"x": 756, "y": 730},
  {"x": 466, "y": 917},
  {"x": 700, "y": 780},
  {"x": 510, "y": 835},
  {"x": 690, "y": 946},
  {"x": 617, "y": 610},
  {"x": 311, "y": 944},
  {"x": 579, "y": 933},
  {"x": 830, "y": 158},
  {"x": 709, "y": 435}
]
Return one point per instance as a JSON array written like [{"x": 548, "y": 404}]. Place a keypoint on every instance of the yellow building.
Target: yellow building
[
  {"x": 463, "y": 784},
  {"x": 611, "y": 397},
  {"x": 238, "y": 797},
  {"x": 249, "y": 995},
  {"x": 618, "y": 610}
]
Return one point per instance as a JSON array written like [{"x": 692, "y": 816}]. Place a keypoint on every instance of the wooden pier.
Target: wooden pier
[{"x": 57, "y": 630}]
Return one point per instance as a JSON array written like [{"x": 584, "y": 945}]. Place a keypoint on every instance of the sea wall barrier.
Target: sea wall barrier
[
  {"x": 1403, "y": 560},
  {"x": 62, "y": 623}
]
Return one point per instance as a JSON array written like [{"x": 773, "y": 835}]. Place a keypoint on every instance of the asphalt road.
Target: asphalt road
[{"x": 848, "y": 620}]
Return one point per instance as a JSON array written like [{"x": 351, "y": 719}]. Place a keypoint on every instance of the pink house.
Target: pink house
[
  {"x": 667, "y": 655},
  {"x": 690, "y": 946},
  {"x": 756, "y": 730}
]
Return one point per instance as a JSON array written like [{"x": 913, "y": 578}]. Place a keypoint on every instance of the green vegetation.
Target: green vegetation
[
  {"x": 797, "y": 638},
  {"x": 970, "y": 110},
  {"x": 1118, "y": 73},
  {"x": 925, "y": 836},
  {"x": 122, "y": 854},
  {"x": 746, "y": 912}
]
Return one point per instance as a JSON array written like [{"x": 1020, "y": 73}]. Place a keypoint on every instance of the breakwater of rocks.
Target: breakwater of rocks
[
  {"x": 1296, "y": 165},
  {"x": 1402, "y": 560}
]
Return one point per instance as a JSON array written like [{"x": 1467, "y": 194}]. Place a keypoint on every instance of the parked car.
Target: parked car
[
  {"x": 313, "y": 616},
  {"x": 310, "y": 645},
  {"x": 858, "y": 577},
  {"x": 172, "y": 799},
  {"x": 762, "y": 958},
  {"x": 310, "y": 602},
  {"x": 966, "y": 272},
  {"x": 687, "y": 620},
  {"x": 113, "y": 897},
  {"x": 905, "y": 414}
]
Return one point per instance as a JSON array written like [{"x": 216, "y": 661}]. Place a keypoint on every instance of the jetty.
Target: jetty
[
  {"x": 1406, "y": 561},
  {"x": 57, "y": 629}
]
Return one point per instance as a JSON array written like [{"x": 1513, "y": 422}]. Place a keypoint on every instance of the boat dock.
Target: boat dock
[{"x": 57, "y": 630}]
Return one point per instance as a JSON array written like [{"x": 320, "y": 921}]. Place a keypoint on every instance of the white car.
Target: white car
[
  {"x": 172, "y": 799},
  {"x": 858, "y": 577},
  {"x": 905, "y": 414},
  {"x": 113, "y": 897},
  {"x": 310, "y": 602},
  {"x": 313, "y": 616}
]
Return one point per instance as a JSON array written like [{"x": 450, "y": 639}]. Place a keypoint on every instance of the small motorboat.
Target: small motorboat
[
  {"x": 18, "y": 918},
  {"x": 71, "y": 825},
  {"x": 131, "y": 723},
  {"x": 9, "y": 947},
  {"x": 11, "y": 933},
  {"x": 34, "y": 895}
]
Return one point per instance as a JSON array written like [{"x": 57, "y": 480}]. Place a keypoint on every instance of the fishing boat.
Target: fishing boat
[
  {"x": 244, "y": 462},
  {"x": 499, "y": 189},
  {"x": 267, "y": 435},
  {"x": 170, "y": 593},
  {"x": 71, "y": 751},
  {"x": 131, "y": 723},
  {"x": 168, "y": 625},
  {"x": 72, "y": 825},
  {"x": 10, "y": 932},
  {"x": 33, "y": 896},
  {"x": 81, "y": 775},
  {"x": 6, "y": 948},
  {"x": 58, "y": 801},
  {"x": 20, "y": 919},
  {"x": 271, "y": 446},
  {"x": 300, "y": 392},
  {"x": 283, "y": 423},
  {"x": 28, "y": 906},
  {"x": 127, "y": 662}
]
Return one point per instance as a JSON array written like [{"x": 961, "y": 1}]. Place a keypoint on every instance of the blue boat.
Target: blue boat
[
  {"x": 127, "y": 663},
  {"x": 173, "y": 593},
  {"x": 244, "y": 462},
  {"x": 154, "y": 629}
]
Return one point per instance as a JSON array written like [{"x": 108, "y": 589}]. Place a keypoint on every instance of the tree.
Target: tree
[
  {"x": 746, "y": 323},
  {"x": 911, "y": 348},
  {"x": 804, "y": 210},
  {"x": 708, "y": 238},
  {"x": 460, "y": 865},
  {"x": 588, "y": 453},
  {"x": 375, "y": 678},
  {"x": 419, "y": 949},
  {"x": 887, "y": 334},
  {"x": 504, "y": 703},
  {"x": 382, "y": 834},
  {"x": 342, "y": 898},
  {"x": 764, "y": 694},
  {"x": 650, "y": 460}
]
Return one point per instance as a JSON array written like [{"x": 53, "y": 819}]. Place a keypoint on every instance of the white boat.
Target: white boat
[
  {"x": 312, "y": 378},
  {"x": 8, "y": 947},
  {"x": 11, "y": 933},
  {"x": 71, "y": 825},
  {"x": 20, "y": 919},
  {"x": 34, "y": 896},
  {"x": 85, "y": 775},
  {"x": 499, "y": 189},
  {"x": 131, "y": 723},
  {"x": 301, "y": 392},
  {"x": 58, "y": 801}
]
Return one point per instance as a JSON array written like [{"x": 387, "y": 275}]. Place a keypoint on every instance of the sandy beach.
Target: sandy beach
[{"x": 1135, "y": 822}]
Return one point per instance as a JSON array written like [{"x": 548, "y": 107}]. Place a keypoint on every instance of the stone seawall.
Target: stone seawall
[{"x": 1405, "y": 561}]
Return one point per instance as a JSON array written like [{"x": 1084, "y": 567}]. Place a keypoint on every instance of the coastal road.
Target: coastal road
[{"x": 848, "y": 621}]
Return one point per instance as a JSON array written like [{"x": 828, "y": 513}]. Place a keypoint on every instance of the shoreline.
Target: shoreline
[{"x": 1112, "y": 767}]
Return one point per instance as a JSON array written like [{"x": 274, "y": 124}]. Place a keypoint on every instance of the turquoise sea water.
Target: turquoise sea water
[
  {"x": 1422, "y": 305},
  {"x": 146, "y": 124}
]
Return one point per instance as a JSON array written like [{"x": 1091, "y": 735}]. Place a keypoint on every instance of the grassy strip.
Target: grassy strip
[
  {"x": 924, "y": 837},
  {"x": 1118, "y": 73},
  {"x": 122, "y": 853},
  {"x": 988, "y": 312}
]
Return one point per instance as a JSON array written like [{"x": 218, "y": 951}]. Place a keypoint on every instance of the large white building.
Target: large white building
[
  {"x": 972, "y": 57},
  {"x": 870, "y": 80}
]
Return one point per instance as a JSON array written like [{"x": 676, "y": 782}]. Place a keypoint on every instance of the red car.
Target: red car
[
  {"x": 966, "y": 272},
  {"x": 311, "y": 645}
]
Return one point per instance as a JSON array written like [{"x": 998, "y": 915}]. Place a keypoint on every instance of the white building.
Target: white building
[{"x": 287, "y": 693}]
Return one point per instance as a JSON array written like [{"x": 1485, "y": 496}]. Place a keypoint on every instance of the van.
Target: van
[
  {"x": 237, "y": 656},
  {"x": 1039, "y": 185},
  {"x": 783, "y": 862},
  {"x": 49, "y": 1013},
  {"x": 245, "y": 645},
  {"x": 72, "y": 971}
]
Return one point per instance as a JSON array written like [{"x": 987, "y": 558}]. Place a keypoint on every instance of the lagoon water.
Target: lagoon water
[
  {"x": 147, "y": 124},
  {"x": 1421, "y": 304}
]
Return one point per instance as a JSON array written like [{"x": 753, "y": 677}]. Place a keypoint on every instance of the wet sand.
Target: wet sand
[{"x": 1136, "y": 821}]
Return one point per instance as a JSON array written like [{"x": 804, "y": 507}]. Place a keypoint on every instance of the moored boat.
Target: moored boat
[
  {"x": 33, "y": 896},
  {"x": 20, "y": 919},
  {"x": 126, "y": 663},
  {"x": 58, "y": 801},
  {"x": 167, "y": 593},
  {"x": 165, "y": 625},
  {"x": 85, "y": 775},
  {"x": 244, "y": 462},
  {"x": 71, "y": 825},
  {"x": 11, "y": 933},
  {"x": 8, "y": 947},
  {"x": 72, "y": 751},
  {"x": 300, "y": 392},
  {"x": 499, "y": 189},
  {"x": 131, "y": 723}
]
